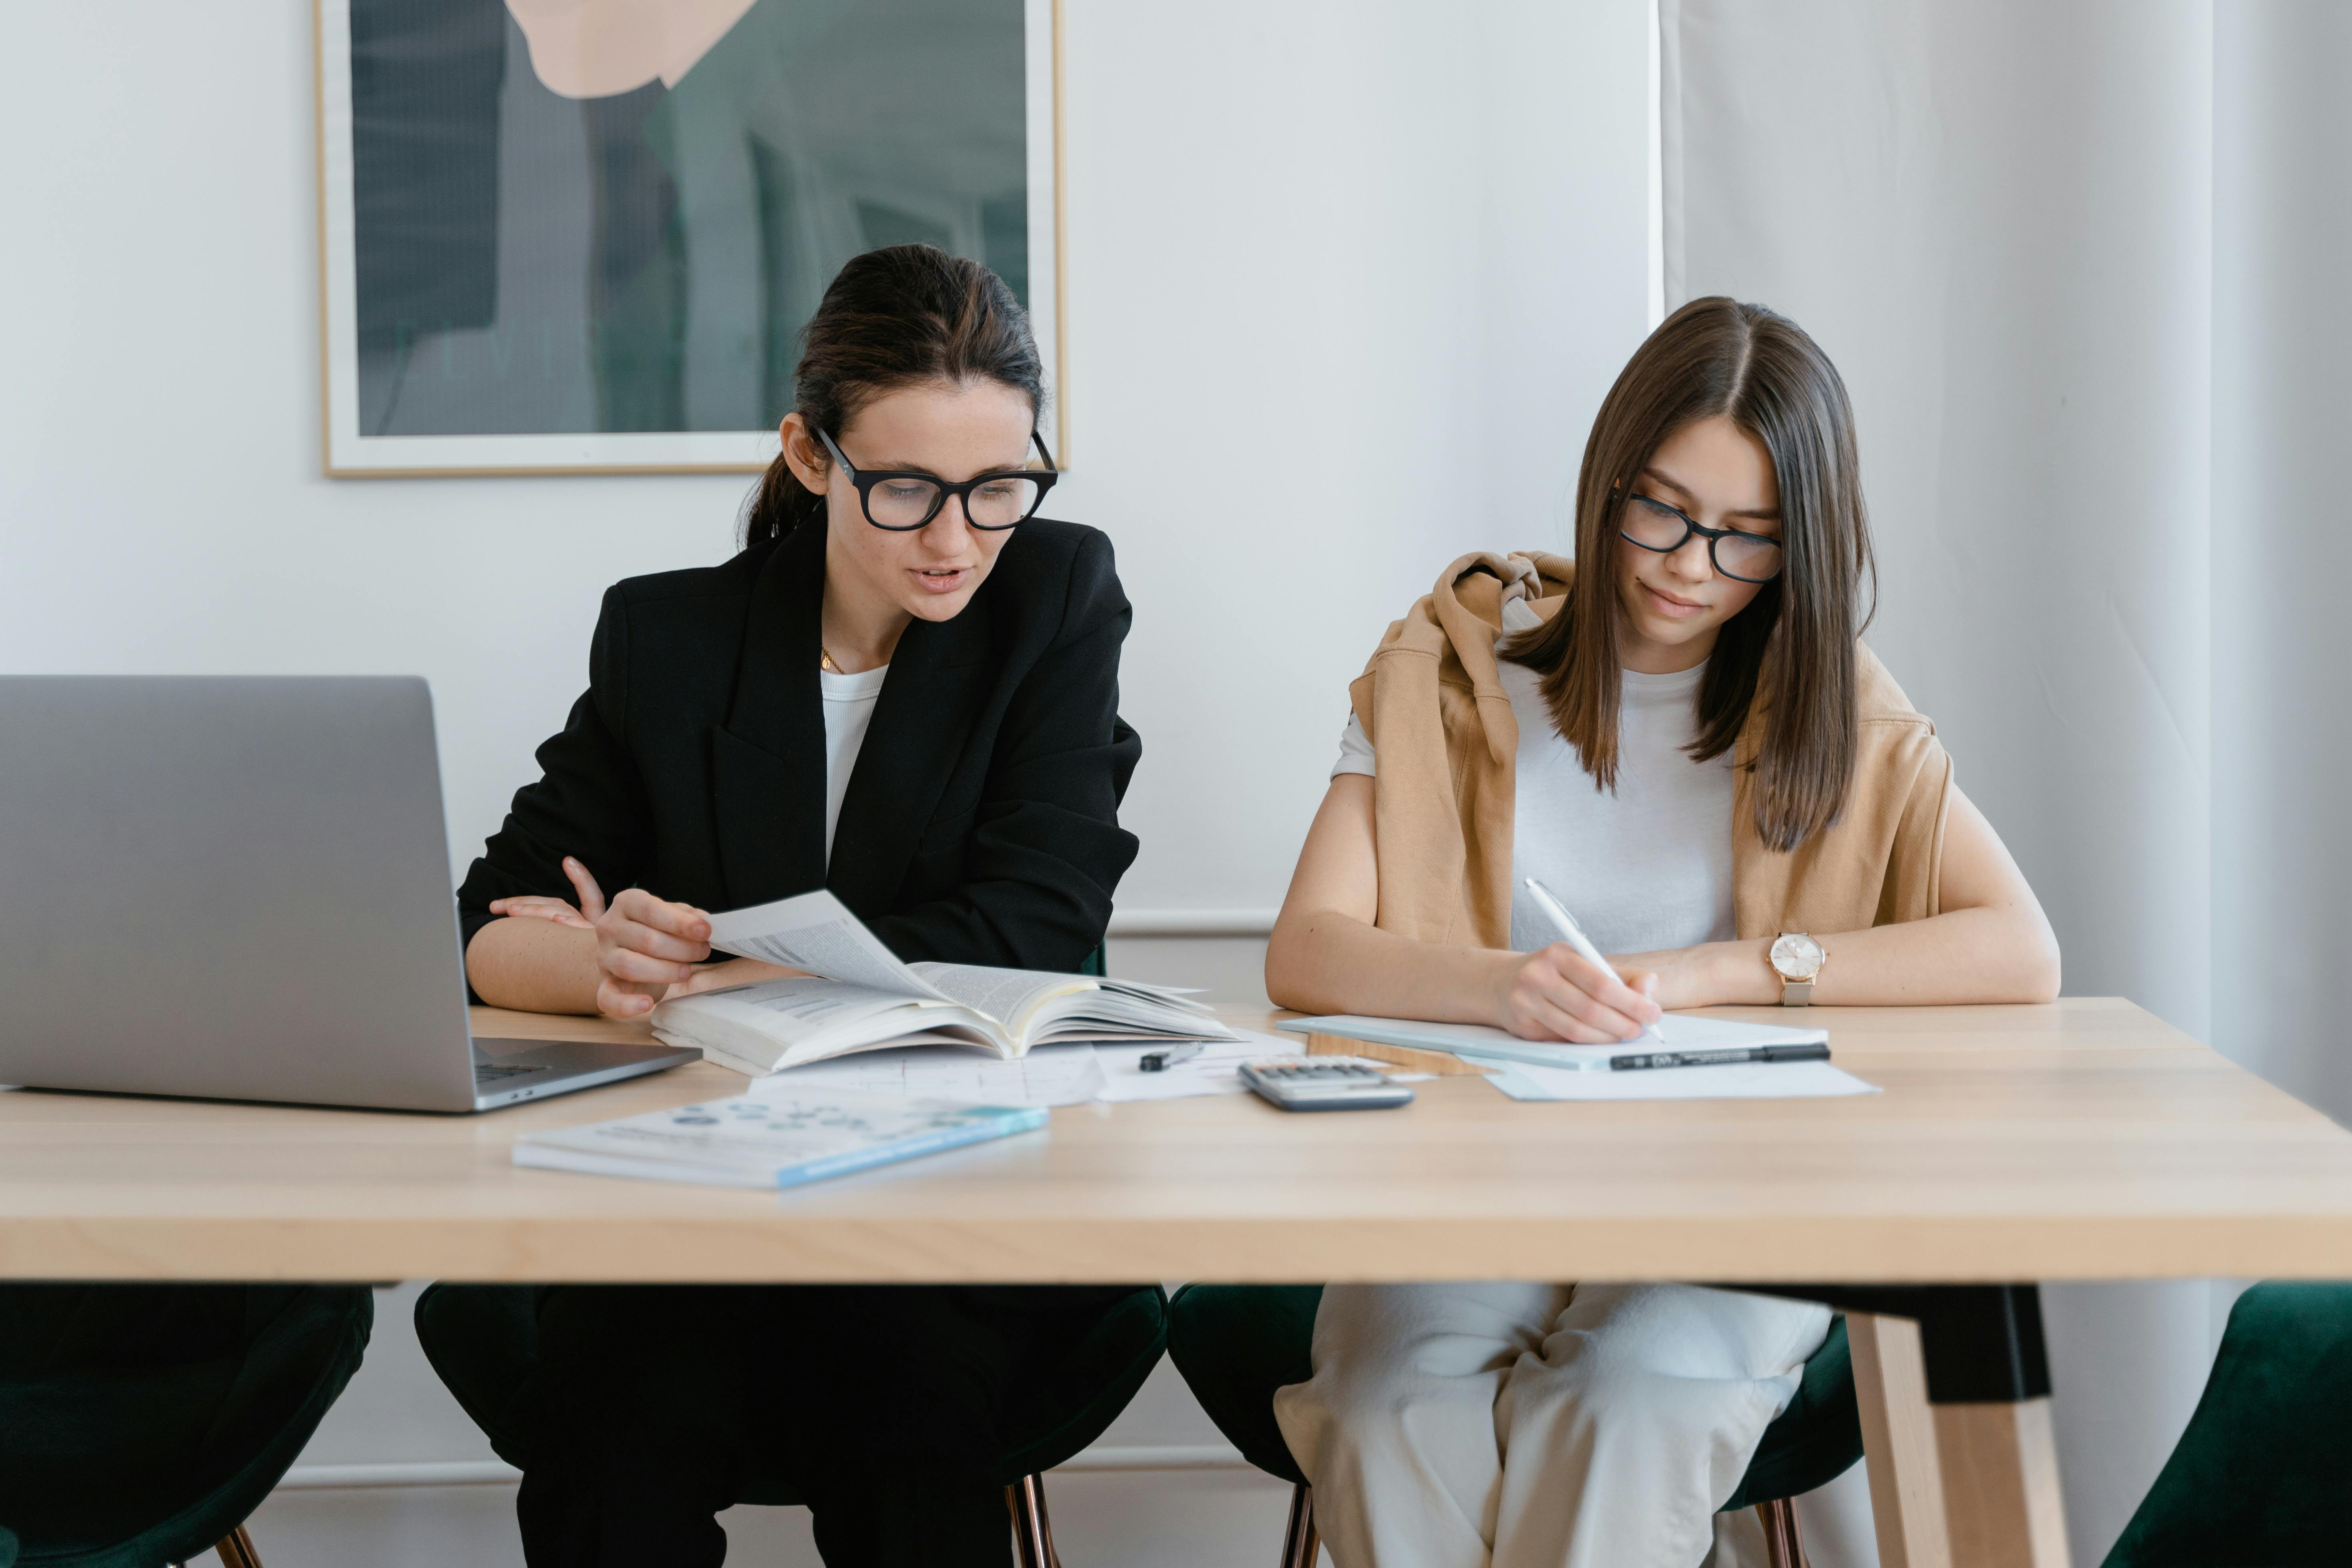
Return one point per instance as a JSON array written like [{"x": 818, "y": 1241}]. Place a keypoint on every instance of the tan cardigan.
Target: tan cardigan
[{"x": 1444, "y": 741}]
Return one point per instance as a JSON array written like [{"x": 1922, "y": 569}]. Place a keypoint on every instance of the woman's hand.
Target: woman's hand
[
  {"x": 1558, "y": 994},
  {"x": 534, "y": 907},
  {"x": 644, "y": 945}
]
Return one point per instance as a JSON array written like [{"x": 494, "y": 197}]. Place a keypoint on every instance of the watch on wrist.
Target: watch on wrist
[{"x": 1797, "y": 958}]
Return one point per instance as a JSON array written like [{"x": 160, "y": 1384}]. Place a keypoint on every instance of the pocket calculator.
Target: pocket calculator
[{"x": 1324, "y": 1083}]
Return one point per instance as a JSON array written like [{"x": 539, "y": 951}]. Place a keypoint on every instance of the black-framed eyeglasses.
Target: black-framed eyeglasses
[
  {"x": 903, "y": 502},
  {"x": 1744, "y": 557}
]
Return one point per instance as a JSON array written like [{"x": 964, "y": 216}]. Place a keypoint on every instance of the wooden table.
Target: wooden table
[{"x": 2084, "y": 1140}]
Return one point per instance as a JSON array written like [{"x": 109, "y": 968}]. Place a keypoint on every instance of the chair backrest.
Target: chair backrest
[{"x": 2264, "y": 1474}]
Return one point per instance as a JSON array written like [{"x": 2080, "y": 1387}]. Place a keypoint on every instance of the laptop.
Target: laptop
[{"x": 239, "y": 889}]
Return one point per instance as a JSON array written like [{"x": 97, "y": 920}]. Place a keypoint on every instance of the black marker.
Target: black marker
[{"x": 1736, "y": 1056}]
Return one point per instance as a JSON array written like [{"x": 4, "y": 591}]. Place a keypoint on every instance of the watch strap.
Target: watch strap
[{"x": 1796, "y": 993}]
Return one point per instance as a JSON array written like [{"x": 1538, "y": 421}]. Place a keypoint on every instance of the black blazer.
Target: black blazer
[{"x": 980, "y": 823}]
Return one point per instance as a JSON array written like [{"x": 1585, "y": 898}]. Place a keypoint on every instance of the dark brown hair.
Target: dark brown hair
[
  {"x": 1795, "y": 641},
  {"x": 902, "y": 316}
]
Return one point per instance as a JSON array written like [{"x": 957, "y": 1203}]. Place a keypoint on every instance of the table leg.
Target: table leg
[
  {"x": 1900, "y": 1441},
  {"x": 2000, "y": 1466},
  {"x": 1954, "y": 1394}
]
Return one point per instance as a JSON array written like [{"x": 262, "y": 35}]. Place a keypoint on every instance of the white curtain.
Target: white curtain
[{"x": 2081, "y": 264}]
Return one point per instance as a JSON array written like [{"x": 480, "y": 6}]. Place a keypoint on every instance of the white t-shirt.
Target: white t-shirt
[
  {"x": 1645, "y": 869},
  {"x": 849, "y": 709}
]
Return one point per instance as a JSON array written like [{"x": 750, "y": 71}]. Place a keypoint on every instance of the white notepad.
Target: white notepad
[
  {"x": 1746, "y": 1080},
  {"x": 1683, "y": 1032}
]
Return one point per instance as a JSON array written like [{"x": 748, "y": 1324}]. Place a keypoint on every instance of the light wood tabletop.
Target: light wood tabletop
[{"x": 2083, "y": 1139}]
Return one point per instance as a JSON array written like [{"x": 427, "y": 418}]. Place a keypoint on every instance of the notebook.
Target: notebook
[
  {"x": 1477, "y": 1042},
  {"x": 775, "y": 1141},
  {"x": 865, "y": 999}
]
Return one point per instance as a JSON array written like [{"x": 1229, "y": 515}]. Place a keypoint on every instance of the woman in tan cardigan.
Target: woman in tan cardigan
[{"x": 1694, "y": 752}]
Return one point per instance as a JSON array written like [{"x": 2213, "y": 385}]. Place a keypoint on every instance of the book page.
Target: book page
[
  {"x": 792, "y": 1010},
  {"x": 1008, "y": 995},
  {"x": 814, "y": 932}
]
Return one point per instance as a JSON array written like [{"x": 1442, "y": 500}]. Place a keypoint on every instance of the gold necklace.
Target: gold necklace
[{"x": 824, "y": 661}]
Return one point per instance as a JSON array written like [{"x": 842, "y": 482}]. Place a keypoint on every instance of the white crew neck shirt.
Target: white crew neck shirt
[
  {"x": 1645, "y": 869},
  {"x": 848, "y": 709}
]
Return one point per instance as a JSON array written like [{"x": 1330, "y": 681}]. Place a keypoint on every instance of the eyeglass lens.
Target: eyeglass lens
[
  {"x": 1750, "y": 557},
  {"x": 910, "y": 502}
]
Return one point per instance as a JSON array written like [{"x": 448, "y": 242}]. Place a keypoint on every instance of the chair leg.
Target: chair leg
[
  {"x": 1033, "y": 1526},
  {"x": 235, "y": 1550},
  {"x": 1301, "y": 1543},
  {"x": 1783, "y": 1546}
]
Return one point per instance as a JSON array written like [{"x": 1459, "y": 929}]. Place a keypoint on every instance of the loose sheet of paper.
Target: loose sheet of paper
[
  {"x": 1216, "y": 1070},
  {"x": 1050, "y": 1075},
  {"x": 1748, "y": 1080}
]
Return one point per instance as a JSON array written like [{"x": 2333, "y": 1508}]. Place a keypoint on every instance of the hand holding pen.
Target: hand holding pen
[{"x": 1568, "y": 991}]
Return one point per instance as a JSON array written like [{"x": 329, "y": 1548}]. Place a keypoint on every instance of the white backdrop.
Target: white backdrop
[
  {"x": 1348, "y": 279},
  {"x": 2081, "y": 265},
  {"x": 1347, "y": 282}
]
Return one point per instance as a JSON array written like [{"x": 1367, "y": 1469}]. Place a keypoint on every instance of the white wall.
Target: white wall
[
  {"x": 1333, "y": 267},
  {"x": 2280, "y": 553},
  {"x": 1348, "y": 280},
  {"x": 2081, "y": 264}
]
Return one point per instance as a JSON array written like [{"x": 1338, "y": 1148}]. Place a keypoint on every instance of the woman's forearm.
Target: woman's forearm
[
  {"x": 1978, "y": 955},
  {"x": 534, "y": 966},
  {"x": 1320, "y": 961}
]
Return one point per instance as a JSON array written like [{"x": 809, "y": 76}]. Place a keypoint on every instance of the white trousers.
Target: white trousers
[{"x": 1512, "y": 1425}]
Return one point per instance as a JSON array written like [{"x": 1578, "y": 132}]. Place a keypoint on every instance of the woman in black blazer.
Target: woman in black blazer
[{"x": 710, "y": 767}]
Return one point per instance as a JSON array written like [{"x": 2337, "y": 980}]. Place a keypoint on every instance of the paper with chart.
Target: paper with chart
[
  {"x": 1049, "y": 1075},
  {"x": 1216, "y": 1070},
  {"x": 772, "y": 1141}
]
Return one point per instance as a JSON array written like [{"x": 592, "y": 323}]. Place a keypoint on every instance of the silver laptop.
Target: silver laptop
[{"x": 239, "y": 889}]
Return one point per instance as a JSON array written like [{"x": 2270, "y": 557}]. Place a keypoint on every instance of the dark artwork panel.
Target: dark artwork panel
[{"x": 537, "y": 260}]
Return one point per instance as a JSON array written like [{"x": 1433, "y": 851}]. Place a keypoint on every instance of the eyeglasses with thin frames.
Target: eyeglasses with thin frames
[
  {"x": 1739, "y": 555},
  {"x": 903, "y": 501}
]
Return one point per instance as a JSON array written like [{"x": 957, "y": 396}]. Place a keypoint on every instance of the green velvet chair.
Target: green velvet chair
[
  {"x": 483, "y": 1340},
  {"x": 2263, "y": 1477},
  {"x": 1235, "y": 1344},
  {"x": 142, "y": 1425}
]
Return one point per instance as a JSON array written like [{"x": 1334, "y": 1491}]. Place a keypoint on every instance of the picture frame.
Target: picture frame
[{"x": 527, "y": 325}]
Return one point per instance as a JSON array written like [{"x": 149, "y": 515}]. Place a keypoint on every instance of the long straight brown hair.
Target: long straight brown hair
[{"x": 1794, "y": 643}]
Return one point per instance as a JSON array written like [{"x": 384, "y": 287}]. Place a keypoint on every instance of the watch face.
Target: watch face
[{"x": 1797, "y": 956}]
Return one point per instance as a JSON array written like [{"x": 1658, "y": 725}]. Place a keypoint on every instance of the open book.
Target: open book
[{"x": 864, "y": 998}]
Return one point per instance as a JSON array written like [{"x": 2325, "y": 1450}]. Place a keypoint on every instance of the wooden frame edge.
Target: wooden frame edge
[
  {"x": 1061, "y": 250},
  {"x": 537, "y": 471},
  {"x": 327, "y": 467},
  {"x": 319, "y": 195}
]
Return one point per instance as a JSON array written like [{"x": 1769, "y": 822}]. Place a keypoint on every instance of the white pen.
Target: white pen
[{"x": 1575, "y": 936}]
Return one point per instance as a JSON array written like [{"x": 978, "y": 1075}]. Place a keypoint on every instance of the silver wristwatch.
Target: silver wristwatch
[{"x": 1797, "y": 958}]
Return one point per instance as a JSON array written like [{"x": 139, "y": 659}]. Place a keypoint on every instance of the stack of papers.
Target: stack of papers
[{"x": 1047, "y": 1075}]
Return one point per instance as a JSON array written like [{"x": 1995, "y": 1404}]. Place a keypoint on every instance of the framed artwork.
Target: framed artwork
[{"x": 584, "y": 236}]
